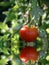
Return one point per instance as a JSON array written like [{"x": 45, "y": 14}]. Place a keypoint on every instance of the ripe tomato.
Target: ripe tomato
[
  {"x": 28, "y": 53},
  {"x": 28, "y": 34}
]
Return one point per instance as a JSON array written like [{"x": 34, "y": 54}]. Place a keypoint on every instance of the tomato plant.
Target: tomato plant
[
  {"x": 21, "y": 22},
  {"x": 28, "y": 34},
  {"x": 28, "y": 53}
]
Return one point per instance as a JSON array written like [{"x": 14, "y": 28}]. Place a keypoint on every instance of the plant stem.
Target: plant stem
[
  {"x": 45, "y": 44},
  {"x": 30, "y": 63},
  {"x": 30, "y": 44}
]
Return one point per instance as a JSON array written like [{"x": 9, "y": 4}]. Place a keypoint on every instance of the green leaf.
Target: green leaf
[
  {"x": 3, "y": 61},
  {"x": 4, "y": 4},
  {"x": 15, "y": 7},
  {"x": 36, "y": 10},
  {"x": 5, "y": 50},
  {"x": 47, "y": 30},
  {"x": 11, "y": 16},
  {"x": 3, "y": 26},
  {"x": 47, "y": 58},
  {"x": 16, "y": 61}
]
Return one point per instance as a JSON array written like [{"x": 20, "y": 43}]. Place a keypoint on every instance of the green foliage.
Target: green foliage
[{"x": 16, "y": 16}]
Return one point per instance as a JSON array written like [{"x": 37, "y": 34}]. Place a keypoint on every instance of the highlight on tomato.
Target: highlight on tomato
[
  {"x": 28, "y": 34},
  {"x": 28, "y": 53}
]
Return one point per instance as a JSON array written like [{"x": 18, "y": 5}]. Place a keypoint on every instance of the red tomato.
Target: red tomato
[
  {"x": 28, "y": 34},
  {"x": 28, "y": 53}
]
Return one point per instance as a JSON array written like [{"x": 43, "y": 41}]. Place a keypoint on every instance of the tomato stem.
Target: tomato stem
[
  {"x": 30, "y": 44},
  {"x": 28, "y": 18},
  {"x": 30, "y": 63}
]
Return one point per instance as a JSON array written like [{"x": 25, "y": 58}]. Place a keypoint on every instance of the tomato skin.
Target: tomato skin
[
  {"x": 28, "y": 53},
  {"x": 28, "y": 34}
]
